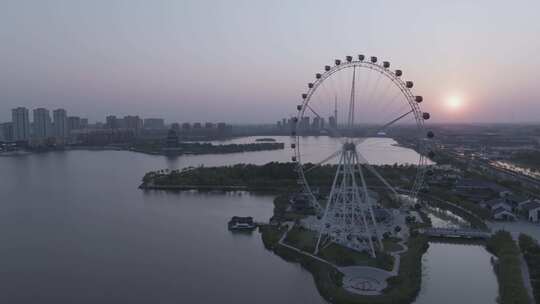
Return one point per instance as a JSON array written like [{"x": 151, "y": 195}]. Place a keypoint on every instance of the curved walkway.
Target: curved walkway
[{"x": 362, "y": 280}]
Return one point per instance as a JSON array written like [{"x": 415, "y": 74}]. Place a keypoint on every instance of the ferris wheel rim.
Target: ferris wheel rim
[{"x": 404, "y": 90}]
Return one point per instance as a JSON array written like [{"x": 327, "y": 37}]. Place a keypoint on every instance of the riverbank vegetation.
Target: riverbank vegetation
[
  {"x": 205, "y": 148},
  {"x": 531, "y": 253},
  {"x": 273, "y": 175},
  {"x": 508, "y": 268}
]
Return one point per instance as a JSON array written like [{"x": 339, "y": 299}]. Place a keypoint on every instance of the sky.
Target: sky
[{"x": 249, "y": 61}]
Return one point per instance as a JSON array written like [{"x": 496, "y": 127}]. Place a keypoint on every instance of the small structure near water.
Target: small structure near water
[
  {"x": 456, "y": 233},
  {"x": 239, "y": 223}
]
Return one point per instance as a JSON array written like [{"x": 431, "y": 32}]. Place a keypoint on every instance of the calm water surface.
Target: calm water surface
[
  {"x": 380, "y": 151},
  {"x": 75, "y": 229},
  {"x": 457, "y": 274}
]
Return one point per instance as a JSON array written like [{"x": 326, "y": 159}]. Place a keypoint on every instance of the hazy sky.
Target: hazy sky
[{"x": 249, "y": 61}]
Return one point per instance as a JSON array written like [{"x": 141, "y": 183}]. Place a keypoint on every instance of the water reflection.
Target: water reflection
[
  {"x": 441, "y": 218},
  {"x": 457, "y": 274}
]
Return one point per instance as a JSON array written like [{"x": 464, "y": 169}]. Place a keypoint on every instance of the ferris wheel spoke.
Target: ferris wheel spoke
[
  {"x": 389, "y": 102},
  {"x": 332, "y": 130},
  {"x": 384, "y": 127},
  {"x": 322, "y": 162},
  {"x": 376, "y": 173}
]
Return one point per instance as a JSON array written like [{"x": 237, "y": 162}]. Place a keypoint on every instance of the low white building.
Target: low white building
[
  {"x": 497, "y": 203},
  {"x": 532, "y": 211},
  {"x": 501, "y": 214}
]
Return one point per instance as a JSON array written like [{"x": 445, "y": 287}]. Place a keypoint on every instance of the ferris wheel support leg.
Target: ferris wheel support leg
[
  {"x": 356, "y": 198},
  {"x": 370, "y": 207},
  {"x": 322, "y": 229}
]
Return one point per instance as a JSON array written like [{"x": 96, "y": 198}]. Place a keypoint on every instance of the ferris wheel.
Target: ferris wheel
[{"x": 357, "y": 115}]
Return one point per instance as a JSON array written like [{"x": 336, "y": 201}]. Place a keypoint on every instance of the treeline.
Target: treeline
[
  {"x": 270, "y": 175},
  {"x": 508, "y": 268},
  {"x": 531, "y": 253},
  {"x": 207, "y": 148}
]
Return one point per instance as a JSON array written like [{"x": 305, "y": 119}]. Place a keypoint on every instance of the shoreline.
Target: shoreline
[{"x": 127, "y": 149}]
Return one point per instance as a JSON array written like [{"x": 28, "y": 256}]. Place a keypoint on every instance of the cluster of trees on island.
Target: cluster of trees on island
[
  {"x": 273, "y": 175},
  {"x": 207, "y": 148}
]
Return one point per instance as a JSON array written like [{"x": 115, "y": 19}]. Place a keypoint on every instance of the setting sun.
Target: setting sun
[{"x": 454, "y": 103}]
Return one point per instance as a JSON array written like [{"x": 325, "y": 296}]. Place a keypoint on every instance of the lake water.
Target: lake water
[
  {"x": 454, "y": 273},
  {"x": 75, "y": 229},
  {"x": 379, "y": 151}
]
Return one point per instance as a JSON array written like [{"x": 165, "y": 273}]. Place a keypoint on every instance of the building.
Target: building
[
  {"x": 73, "y": 123},
  {"x": 133, "y": 123},
  {"x": 332, "y": 122},
  {"x": 502, "y": 214},
  {"x": 241, "y": 223},
  {"x": 154, "y": 123},
  {"x": 209, "y": 125},
  {"x": 197, "y": 125},
  {"x": 6, "y": 131},
  {"x": 304, "y": 123},
  {"x": 84, "y": 123},
  {"x": 21, "y": 124},
  {"x": 531, "y": 210},
  {"x": 102, "y": 137},
  {"x": 172, "y": 140},
  {"x": 176, "y": 127},
  {"x": 498, "y": 203},
  {"x": 316, "y": 124},
  {"x": 502, "y": 208},
  {"x": 42, "y": 124},
  {"x": 60, "y": 124},
  {"x": 111, "y": 122},
  {"x": 223, "y": 129},
  {"x": 186, "y": 126}
]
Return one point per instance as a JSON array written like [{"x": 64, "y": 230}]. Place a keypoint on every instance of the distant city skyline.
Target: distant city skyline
[{"x": 249, "y": 61}]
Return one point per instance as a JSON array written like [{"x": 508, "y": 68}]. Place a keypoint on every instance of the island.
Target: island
[
  {"x": 196, "y": 148},
  {"x": 342, "y": 275},
  {"x": 266, "y": 139},
  {"x": 391, "y": 274}
]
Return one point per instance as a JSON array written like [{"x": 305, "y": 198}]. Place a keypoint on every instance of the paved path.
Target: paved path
[
  {"x": 363, "y": 280},
  {"x": 282, "y": 243}
]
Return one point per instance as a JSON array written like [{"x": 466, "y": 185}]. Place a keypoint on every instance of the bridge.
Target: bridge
[{"x": 456, "y": 233}]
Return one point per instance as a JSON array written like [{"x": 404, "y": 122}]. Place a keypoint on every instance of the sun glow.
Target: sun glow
[{"x": 454, "y": 103}]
